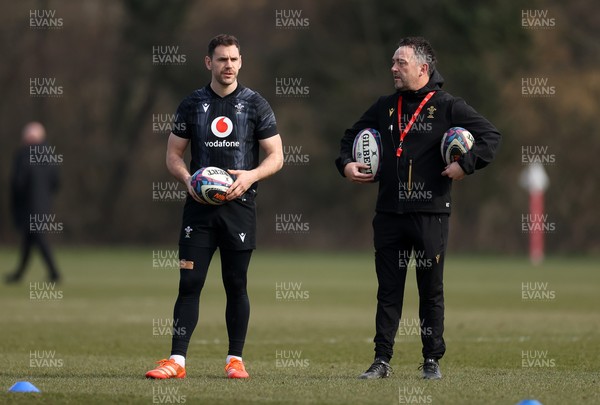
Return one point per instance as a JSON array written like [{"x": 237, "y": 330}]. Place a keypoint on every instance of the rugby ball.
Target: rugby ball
[
  {"x": 456, "y": 142},
  {"x": 211, "y": 183},
  {"x": 367, "y": 149}
]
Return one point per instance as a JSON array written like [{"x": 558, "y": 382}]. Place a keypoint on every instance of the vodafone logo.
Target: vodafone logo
[{"x": 221, "y": 127}]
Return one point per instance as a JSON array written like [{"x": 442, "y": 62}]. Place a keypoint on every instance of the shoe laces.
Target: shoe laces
[
  {"x": 375, "y": 367},
  {"x": 429, "y": 365},
  {"x": 236, "y": 364},
  {"x": 165, "y": 361}
]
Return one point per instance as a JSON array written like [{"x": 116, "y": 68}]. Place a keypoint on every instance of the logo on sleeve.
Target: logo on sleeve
[{"x": 221, "y": 127}]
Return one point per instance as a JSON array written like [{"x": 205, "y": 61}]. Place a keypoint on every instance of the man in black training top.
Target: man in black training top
[
  {"x": 413, "y": 204},
  {"x": 226, "y": 124}
]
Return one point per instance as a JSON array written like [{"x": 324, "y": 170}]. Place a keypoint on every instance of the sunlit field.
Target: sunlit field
[{"x": 513, "y": 331}]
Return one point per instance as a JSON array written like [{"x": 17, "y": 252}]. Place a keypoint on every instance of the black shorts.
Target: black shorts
[{"x": 230, "y": 226}]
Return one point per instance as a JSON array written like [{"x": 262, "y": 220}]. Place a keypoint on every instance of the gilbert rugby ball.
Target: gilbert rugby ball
[
  {"x": 211, "y": 183},
  {"x": 367, "y": 150}
]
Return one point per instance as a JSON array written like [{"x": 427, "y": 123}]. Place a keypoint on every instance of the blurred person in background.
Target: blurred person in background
[{"x": 33, "y": 185}]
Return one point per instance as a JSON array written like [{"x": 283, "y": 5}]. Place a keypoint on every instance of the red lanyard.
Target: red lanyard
[{"x": 404, "y": 131}]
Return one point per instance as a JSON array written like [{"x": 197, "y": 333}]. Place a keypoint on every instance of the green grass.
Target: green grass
[{"x": 101, "y": 331}]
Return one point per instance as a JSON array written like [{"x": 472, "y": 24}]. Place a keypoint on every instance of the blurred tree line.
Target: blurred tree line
[{"x": 338, "y": 54}]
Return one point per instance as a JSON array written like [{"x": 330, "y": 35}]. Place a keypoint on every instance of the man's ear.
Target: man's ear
[{"x": 208, "y": 62}]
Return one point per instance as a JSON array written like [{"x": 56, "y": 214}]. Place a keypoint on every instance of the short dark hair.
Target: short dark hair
[
  {"x": 423, "y": 50},
  {"x": 222, "y": 39}
]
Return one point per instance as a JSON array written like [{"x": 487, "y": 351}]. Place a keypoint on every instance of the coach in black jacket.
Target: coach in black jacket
[
  {"x": 414, "y": 201},
  {"x": 33, "y": 185}
]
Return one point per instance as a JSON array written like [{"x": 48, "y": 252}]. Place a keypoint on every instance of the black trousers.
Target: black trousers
[
  {"x": 31, "y": 239},
  {"x": 397, "y": 237}
]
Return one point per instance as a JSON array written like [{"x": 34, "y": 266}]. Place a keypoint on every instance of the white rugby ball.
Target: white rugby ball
[
  {"x": 456, "y": 142},
  {"x": 211, "y": 183},
  {"x": 367, "y": 150}
]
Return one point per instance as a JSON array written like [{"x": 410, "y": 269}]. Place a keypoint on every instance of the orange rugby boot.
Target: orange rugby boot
[
  {"x": 166, "y": 369},
  {"x": 235, "y": 369}
]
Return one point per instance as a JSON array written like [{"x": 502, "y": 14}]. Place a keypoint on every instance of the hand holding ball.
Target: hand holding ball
[
  {"x": 211, "y": 184},
  {"x": 456, "y": 142},
  {"x": 367, "y": 150}
]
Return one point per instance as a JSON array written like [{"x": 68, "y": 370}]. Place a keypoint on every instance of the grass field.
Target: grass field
[{"x": 92, "y": 339}]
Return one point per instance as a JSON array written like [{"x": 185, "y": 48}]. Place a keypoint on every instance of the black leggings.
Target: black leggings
[{"x": 234, "y": 270}]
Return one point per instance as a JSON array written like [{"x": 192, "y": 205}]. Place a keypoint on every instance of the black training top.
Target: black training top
[{"x": 224, "y": 131}]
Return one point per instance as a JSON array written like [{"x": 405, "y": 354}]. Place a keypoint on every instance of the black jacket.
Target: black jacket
[
  {"x": 413, "y": 182},
  {"x": 32, "y": 187}
]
